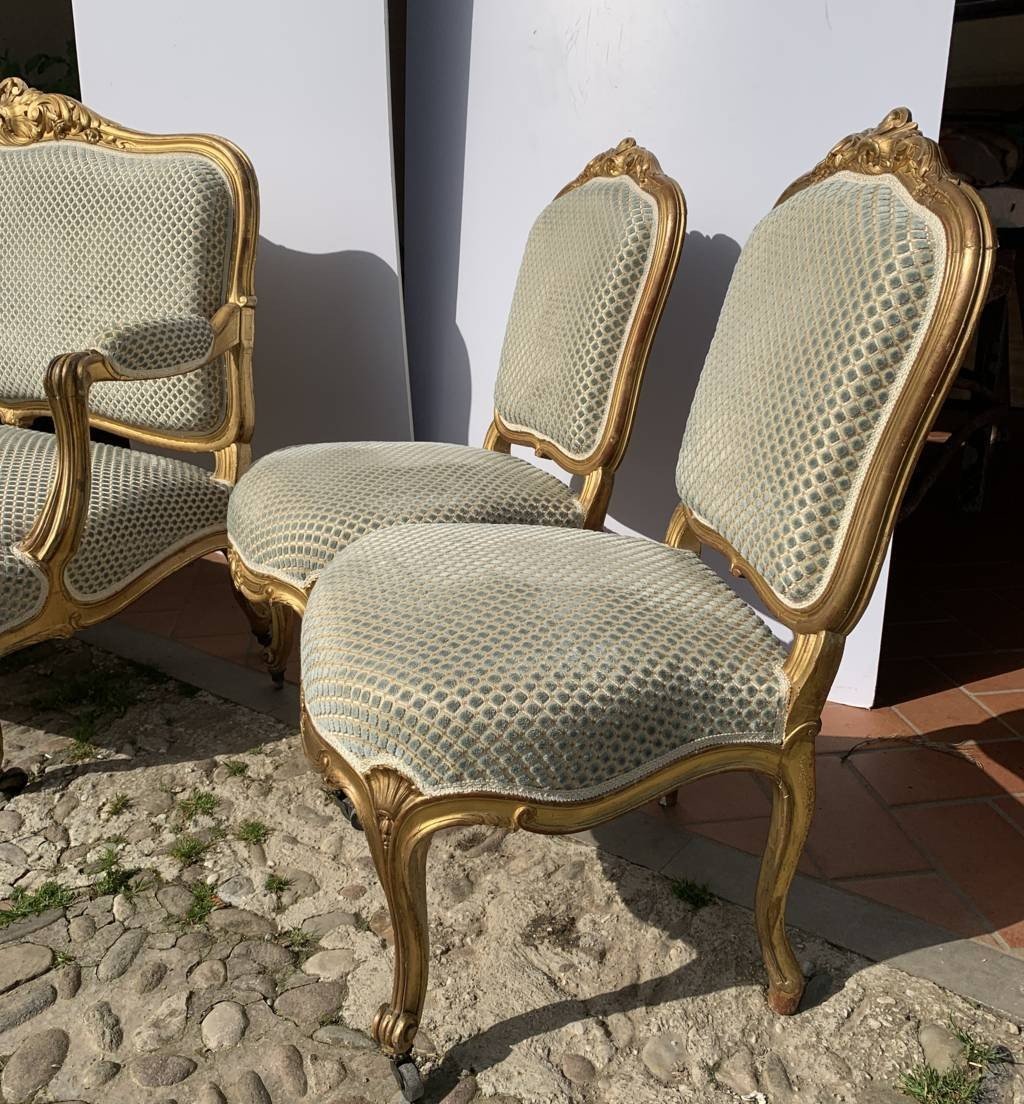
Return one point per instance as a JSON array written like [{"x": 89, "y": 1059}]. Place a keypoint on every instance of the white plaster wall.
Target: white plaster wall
[
  {"x": 303, "y": 88},
  {"x": 737, "y": 98}
]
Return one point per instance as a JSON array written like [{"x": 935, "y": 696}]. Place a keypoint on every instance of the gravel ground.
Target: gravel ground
[{"x": 198, "y": 924}]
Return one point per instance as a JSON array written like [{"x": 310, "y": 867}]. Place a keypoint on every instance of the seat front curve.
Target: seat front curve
[
  {"x": 295, "y": 509},
  {"x": 544, "y": 663}
]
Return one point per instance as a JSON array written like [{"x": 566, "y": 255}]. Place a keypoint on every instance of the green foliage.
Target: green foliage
[
  {"x": 253, "y": 831},
  {"x": 204, "y": 901},
  {"x": 695, "y": 894},
  {"x": 276, "y": 884},
  {"x": 118, "y": 804},
  {"x": 927, "y": 1086},
  {"x": 198, "y": 803},
  {"x": 113, "y": 877},
  {"x": 189, "y": 849},
  {"x": 236, "y": 768},
  {"x": 48, "y": 896}
]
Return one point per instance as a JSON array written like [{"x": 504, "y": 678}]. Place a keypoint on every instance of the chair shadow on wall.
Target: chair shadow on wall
[{"x": 329, "y": 359}]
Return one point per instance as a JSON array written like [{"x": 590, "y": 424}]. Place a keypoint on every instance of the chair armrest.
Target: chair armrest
[{"x": 158, "y": 347}]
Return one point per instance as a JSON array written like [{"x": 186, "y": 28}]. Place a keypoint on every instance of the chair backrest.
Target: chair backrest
[
  {"x": 598, "y": 266},
  {"x": 100, "y": 227},
  {"x": 847, "y": 314}
]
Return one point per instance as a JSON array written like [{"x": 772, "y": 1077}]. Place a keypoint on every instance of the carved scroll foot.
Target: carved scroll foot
[
  {"x": 13, "y": 780},
  {"x": 792, "y": 808},
  {"x": 258, "y": 616},
  {"x": 279, "y": 646}
]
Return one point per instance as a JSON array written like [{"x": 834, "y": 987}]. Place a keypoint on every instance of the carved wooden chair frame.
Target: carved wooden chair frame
[
  {"x": 399, "y": 820},
  {"x": 28, "y": 116},
  {"x": 269, "y": 601}
]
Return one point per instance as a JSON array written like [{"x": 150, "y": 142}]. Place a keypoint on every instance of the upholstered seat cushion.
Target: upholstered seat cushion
[
  {"x": 141, "y": 507},
  {"x": 548, "y": 663},
  {"x": 295, "y": 509}
]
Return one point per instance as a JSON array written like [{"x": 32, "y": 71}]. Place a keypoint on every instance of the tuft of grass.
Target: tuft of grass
[
  {"x": 204, "y": 901},
  {"x": 188, "y": 849},
  {"x": 114, "y": 878},
  {"x": 695, "y": 894},
  {"x": 978, "y": 1055},
  {"x": 63, "y": 958},
  {"x": 276, "y": 884},
  {"x": 927, "y": 1086},
  {"x": 118, "y": 804},
  {"x": 299, "y": 941},
  {"x": 236, "y": 768},
  {"x": 253, "y": 831},
  {"x": 198, "y": 803},
  {"x": 361, "y": 923},
  {"x": 49, "y": 895}
]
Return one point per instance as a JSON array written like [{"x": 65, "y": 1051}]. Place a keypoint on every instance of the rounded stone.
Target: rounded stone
[
  {"x": 209, "y": 974},
  {"x": 68, "y": 980},
  {"x": 175, "y": 900},
  {"x": 158, "y": 1071},
  {"x": 121, "y": 955},
  {"x": 249, "y": 1089},
  {"x": 224, "y": 1025},
  {"x": 326, "y": 1073},
  {"x": 942, "y": 1049},
  {"x": 149, "y": 976},
  {"x": 21, "y": 1004},
  {"x": 664, "y": 1055},
  {"x": 463, "y": 1093},
  {"x": 284, "y": 1064},
  {"x": 578, "y": 1070},
  {"x": 22, "y": 962},
  {"x": 210, "y": 1094},
  {"x": 242, "y": 922},
  {"x": 737, "y": 1073},
  {"x": 103, "y": 1027},
  {"x": 329, "y": 965},
  {"x": 309, "y": 1004},
  {"x": 100, "y": 1073},
  {"x": 34, "y": 1064}
]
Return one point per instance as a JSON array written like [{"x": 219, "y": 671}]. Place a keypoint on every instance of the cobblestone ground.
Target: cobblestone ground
[{"x": 193, "y": 922}]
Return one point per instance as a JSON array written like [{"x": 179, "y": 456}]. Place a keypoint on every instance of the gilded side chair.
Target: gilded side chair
[
  {"x": 598, "y": 265},
  {"x": 126, "y": 305},
  {"x": 548, "y": 679}
]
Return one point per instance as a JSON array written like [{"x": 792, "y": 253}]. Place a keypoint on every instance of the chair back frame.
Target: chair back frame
[
  {"x": 29, "y": 116},
  {"x": 599, "y": 466}
]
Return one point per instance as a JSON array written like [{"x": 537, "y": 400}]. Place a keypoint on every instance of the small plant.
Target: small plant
[
  {"x": 977, "y": 1055},
  {"x": 276, "y": 884},
  {"x": 118, "y": 804},
  {"x": 695, "y": 894},
  {"x": 189, "y": 849},
  {"x": 48, "y": 896},
  {"x": 964, "y": 1083},
  {"x": 114, "y": 878},
  {"x": 236, "y": 768},
  {"x": 198, "y": 803},
  {"x": 187, "y": 690},
  {"x": 361, "y": 923},
  {"x": 298, "y": 940},
  {"x": 204, "y": 901},
  {"x": 253, "y": 831},
  {"x": 63, "y": 958}
]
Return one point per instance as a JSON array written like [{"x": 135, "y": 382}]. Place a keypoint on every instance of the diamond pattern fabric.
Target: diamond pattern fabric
[
  {"x": 295, "y": 509},
  {"x": 95, "y": 240},
  {"x": 825, "y": 312},
  {"x": 141, "y": 508},
  {"x": 584, "y": 268},
  {"x": 157, "y": 348},
  {"x": 549, "y": 663}
]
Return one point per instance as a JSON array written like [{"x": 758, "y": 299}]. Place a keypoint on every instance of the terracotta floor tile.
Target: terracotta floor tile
[
  {"x": 852, "y": 833},
  {"x": 158, "y": 622},
  {"x": 1011, "y": 807},
  {"x": 236, "y": 647},
  {"x": 1008, "y": 707},
  {"x": 170, "y": 594},
  {"x": 211, "y": 610},
  {"x": 984, "y": 673},
  {"x": 906, "y": 776},
  {"x": 748, "y": 835},
  {"x": 957, "y": 836},
  {"x": 732, "y": 796},
  {"x": 842, "y": 726},
  {"x": 927, "y": 896},
  {"x": 944, "y": 714}
]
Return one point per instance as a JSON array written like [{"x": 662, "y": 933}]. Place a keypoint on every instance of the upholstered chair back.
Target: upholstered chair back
[
  {"x": 579, "y": 286},
  {"x": 94, "y": 239},
  {"x": 825, "y": 314}
]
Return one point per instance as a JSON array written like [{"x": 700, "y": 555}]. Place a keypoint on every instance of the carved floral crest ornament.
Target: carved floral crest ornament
[
  {"x": 626, "y": 159},
  {"x": 28, "y": 115}
]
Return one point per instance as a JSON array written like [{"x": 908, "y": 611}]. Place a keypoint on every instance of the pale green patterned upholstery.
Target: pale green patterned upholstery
[
  {"x": 157, "y": 348},
  {"x": 584, "y": 268},
  {"x": 825, "y": 312},
  {"x": 141, "y": 508},
  {"x": 294, "y": 509},
  {"x": 548, "y": 663},
  {"x": 96, "y": 240}
]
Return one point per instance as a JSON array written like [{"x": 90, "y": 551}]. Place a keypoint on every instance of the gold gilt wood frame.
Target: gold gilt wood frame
[
  {"x": 27, "y": 117},
  {"x": 267, "y": 599},
  {"x": 400, "y": 821}
]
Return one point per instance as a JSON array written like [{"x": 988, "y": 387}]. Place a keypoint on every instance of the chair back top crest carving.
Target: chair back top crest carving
[
  {"x": 597, "y": 268},
  {"x": 102, "y": 226},
  {"x": 845, "y": 320}
]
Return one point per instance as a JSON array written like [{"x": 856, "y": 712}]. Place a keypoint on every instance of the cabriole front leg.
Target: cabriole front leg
[{"x": 792, "y": 809}]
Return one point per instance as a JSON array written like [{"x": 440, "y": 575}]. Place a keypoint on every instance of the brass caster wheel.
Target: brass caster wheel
[
  {"x": 12, "y": 782},
  {"x": 348, "y": 810},
  {"x": 408, "y": 1077}
]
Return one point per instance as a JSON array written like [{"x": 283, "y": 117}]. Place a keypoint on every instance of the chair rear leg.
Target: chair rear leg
[
  {"x": 13, "y": 780},
  {"x": 258, "y": 616},
  {"x": 792, "y": 809},
  {"x": 279, "y": 647}
]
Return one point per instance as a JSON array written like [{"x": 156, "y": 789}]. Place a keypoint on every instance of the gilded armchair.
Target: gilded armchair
[
  {"x": 126, "y": 305},
  {"x": 597, "y": 269},
  {"x": 550, "y": 679}
]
